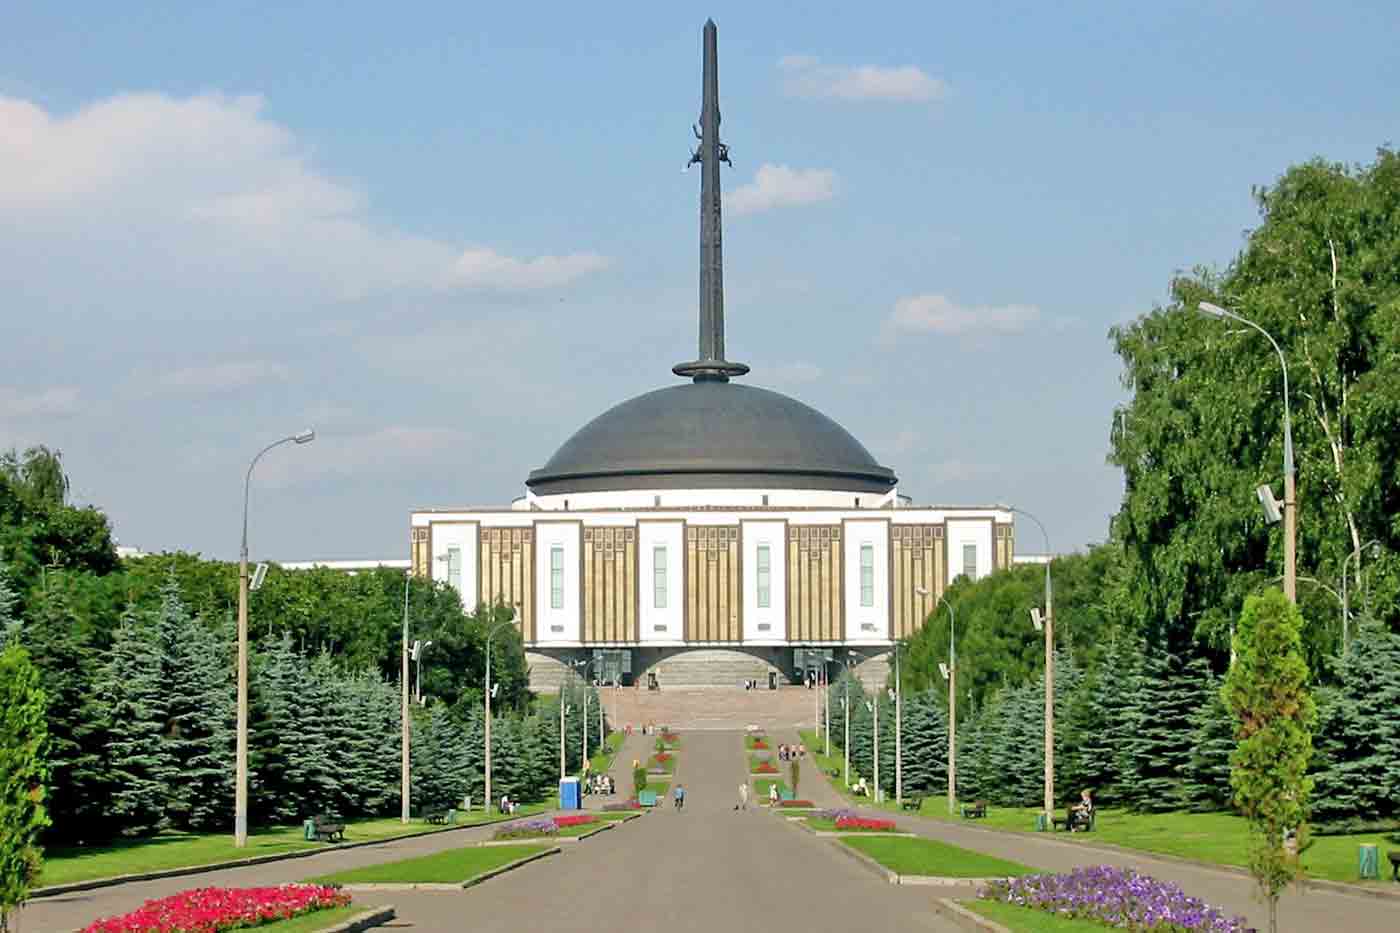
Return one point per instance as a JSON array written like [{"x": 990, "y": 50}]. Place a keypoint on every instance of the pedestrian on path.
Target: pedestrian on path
[
  {"x": 743, "y": 796},
  {"x": 679, "y": 794}
]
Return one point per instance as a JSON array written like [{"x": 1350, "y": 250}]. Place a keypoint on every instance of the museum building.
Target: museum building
[{"x": 710, "y": 532}]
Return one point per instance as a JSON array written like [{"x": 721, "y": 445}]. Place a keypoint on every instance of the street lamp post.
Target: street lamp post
[
  {"x": 898, "y": 733},
  {"x": 826, "y": 707},
  {"x": 403, "y": 709},
  {"x": 562, "y": 772},
  {"x": 1049, "y": 674},
  {"x": 952, "y": 676},
  {"x": 874, "y": 707},
  {"x": 489, "y": 689},
  {"x": 240, "y": 791},
  {"x": 1290, "y": 500}
]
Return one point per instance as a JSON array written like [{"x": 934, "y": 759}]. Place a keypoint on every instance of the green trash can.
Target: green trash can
[
  {"x": 1042, "y": 822},
  {"x": 1368, "y": 862},
  {"x": 451, "y": 816},
  {"x": 308, "y": 829}
]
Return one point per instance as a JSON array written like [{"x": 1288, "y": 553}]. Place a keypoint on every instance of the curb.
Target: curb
[
  {"x": 508, "y": 866},
  {"x": 370, "y": 887},
  {"x": 879, "y": 870},
  {"x": 364, "y": 921},
  {"x": 544, "y": 840},
  {"x": 896, "y": 878},
  {"x": 54, "y": 890},
  {"x": 966, "y": 918}
]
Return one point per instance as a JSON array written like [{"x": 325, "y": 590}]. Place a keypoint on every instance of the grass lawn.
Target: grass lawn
[
  {"x": 447, "y": 867},
  {"x": 602, "y": 760},
  {"x": 614, "y": 816},
  {"x": 317, "y": 920},
  {"x": 829, "y": 826},
  {"x": 1029, "y": 920},
  {"x": 826, "y": 763},
  {"x": 930, "y": 857},
  {"x": 185, "y": 850},
  {"x": 761, "y": 785},
  {"x": 659, "y": 788}
]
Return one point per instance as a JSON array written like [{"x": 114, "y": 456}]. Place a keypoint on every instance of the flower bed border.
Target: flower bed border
[
  {"x": 456, "y": 885},
  {"x": 603, "y": 826}
]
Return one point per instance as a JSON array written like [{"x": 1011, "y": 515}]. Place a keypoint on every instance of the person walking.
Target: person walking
[
  {"x": 679, "y": 795},
  {"x": 743, "y": 796}
]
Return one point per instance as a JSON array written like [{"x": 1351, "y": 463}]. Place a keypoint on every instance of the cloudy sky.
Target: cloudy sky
[{"x": 447, "y": 235}]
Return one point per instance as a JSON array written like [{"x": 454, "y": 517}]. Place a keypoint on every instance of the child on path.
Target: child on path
[{"x": 743, "y": 796}]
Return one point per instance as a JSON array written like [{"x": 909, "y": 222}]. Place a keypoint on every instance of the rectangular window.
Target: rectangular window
[
  {"x": 867, "y": 575},
  {"x": 454, "y": 568},
  {"x": 658, "y": 578},
  {"x": 970, "y": 561},
  {"x": 765, "y": 578},
  {"x": 556, "y": 577}
]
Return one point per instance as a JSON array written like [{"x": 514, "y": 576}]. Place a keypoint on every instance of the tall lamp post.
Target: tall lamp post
[
  {"x": 826, "y": 706},
  {"x": 240, "y": 791},
  {"x": 489, "y": 690},
  {"x": 403, "y": 710},
  {"x": 898, "y": 732},
  {"x": 1049, "y": 673},
  {"x": 950, "y": 673},
  {"x": 1290, "y": 498},
  {"x": 873, "y": 704}
]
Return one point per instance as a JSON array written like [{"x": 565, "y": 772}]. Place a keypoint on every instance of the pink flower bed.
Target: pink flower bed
[
  {"x": 210, "y": 910},
  {"x": 765, "y": 767},
  {"x": 574, "y": 819},
  {"x": 861, "y": 822}
]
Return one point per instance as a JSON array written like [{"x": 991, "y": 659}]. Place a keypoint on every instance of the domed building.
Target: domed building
[{"x": 710, "y": 532}]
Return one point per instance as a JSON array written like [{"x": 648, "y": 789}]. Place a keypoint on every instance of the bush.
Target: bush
[
  {"x": 639, "y": 779},
  {"x": 23, "y": 776}
]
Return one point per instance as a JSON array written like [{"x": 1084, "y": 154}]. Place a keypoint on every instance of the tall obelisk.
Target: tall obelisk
[{"x": 711, "y": 366}]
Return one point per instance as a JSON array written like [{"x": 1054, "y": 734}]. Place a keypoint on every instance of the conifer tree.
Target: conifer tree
[
  {"x": 137, "y": 707},
  {"x": 10, "y": 624},
  {"x": 925, "y": 743},
  {"x": 1161, "y": 747},
  {"x": 276, "y": 789},
  {"x": 1213, "y": 739}
]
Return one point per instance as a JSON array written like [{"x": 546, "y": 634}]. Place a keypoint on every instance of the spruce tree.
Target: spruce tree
[
  {"x": 1161, "y": 748},
  {"x": 137, "y": 707},
  {"x": 925, "y": 743},
  {"x": 276, "y": 789},
  {"x": 1213, "y": 739}
]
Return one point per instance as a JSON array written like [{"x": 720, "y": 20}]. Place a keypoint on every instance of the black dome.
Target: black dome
[{"x": 711, "y": 435}]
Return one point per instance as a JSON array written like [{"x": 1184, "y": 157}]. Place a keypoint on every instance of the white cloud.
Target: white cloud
[
  {"x": 210, "y": 186},
  {"x": 792, "y": 374},
  {"x": 53, "y": 402},
  {"x": 937, "y": 314},
  {"x": 776, "y": 186},
  {"x": 221, "y": 377},
  {"x": 805, "y": 76},
  {"x": 387, "y": 450}
]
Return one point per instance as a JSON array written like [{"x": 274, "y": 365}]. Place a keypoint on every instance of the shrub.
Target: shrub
[
  {"x": 210, "y": 910},
  {"x": 865, "y": 823},
  {"x": 23, "y": 778},
  {"x": 639, "y": 779},
  {"x": 1119, "y": 897},
  {"x": 528, "y": 829}
]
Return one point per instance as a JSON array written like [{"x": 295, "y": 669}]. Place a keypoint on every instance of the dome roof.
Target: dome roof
[{"x": 711, "y": 435}]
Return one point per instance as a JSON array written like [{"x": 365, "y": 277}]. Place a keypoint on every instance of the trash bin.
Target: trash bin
[
  {"x": 772, "y": 680},
  {"x": 1368, "y": 861},
  {"x": 569, "y": 798},
  {"x": 308, "y": 829},
  {"x": 451, "y": 816},
  {"x": 467, "y": 803},
  {"x": 1042, "y": 822}
]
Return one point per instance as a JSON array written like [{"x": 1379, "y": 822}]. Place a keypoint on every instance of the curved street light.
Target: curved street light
[
  {"x": 240, "y": 788},
  {"x": 491, "y": 633},
  {"x": 951, "y": 675},
  {"x": 1049, "y": 672},
  {"x": 1290, "y": 496}
]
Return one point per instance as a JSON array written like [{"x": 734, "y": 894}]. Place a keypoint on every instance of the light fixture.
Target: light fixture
[
  {"x": 305, "y": 437},
  {"x": 943, "y": 669},
  {"x": 1273, "y": 509},
  {"x": 1213, "y": 310},
  {"x": 1036, "y": 619},
  {"x": 259, "y": 574}
]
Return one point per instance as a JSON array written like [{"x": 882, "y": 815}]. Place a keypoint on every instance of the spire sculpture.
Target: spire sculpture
[{"x": 711, "y": 366}]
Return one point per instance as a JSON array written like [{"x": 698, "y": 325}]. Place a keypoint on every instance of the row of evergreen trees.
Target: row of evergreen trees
[
  {"x": 142, "y": 734},
  {"x": 1144, "y": 729}
]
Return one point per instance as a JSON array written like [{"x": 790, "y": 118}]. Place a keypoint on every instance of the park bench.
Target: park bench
[
  {"x": 1394, "y": 865},
  {"x": 435, "y": 816},
  {"x": 1074, "y": 821},
  {"x": 975, "y": 811},
  {"x": 326, "y": 828},
  {"x": 915, "y": 802}
]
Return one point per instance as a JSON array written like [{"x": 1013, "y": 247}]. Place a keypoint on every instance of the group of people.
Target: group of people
[
  {"x": 507, "y": 806},
  {"x": 791, "y": 752},
  {"x": 600, "y": 784}
]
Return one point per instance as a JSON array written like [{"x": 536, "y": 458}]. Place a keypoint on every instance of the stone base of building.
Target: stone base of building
[{"x": 695, "y": 667}]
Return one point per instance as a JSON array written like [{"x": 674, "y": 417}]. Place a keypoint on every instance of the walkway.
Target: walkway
[{"x": 706, "y": 868}]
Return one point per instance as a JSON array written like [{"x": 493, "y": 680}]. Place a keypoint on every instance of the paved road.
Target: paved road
[{"x": 706, "y": 868}]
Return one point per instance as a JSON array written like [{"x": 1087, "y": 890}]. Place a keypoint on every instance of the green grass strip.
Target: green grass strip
[
  {"x": 1029, "y": 920},
  {"x": 905, "y": 856},
  {"x": 761, "y": 785},
  {"x": 316, "y": 920},
  {"x": 447, "y": 867}
]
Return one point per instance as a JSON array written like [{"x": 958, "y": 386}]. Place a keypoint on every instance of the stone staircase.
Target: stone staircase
[{"x": 712, "y": 708}]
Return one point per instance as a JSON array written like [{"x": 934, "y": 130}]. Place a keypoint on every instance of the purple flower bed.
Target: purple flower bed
[
  {"x": 1118, "y": 897},
  {"x": 837, "y": 814},
  {"x": 526, "y": 829}
]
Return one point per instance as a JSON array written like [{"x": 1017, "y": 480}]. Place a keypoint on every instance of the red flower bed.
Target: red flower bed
[
  {"x": 662, "y": 757},
  {"x": 209, "y": 910},
  {"x": 795, "y": 803},
  {"x": 574, "y": 819},
  {"x": 630, "y": 804},
  {"x": 670, "y": 738},
  {"x": 759, "y": 744},
  {"x": 766, "y": 767},
  {"x": 860, "y": 822}
]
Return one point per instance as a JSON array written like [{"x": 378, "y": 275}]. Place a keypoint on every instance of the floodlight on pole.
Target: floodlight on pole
[
  {"x": 1290, "y": 494},
  {"x": 240, "y": 786},
  {"x": 1048, "y": 625}
]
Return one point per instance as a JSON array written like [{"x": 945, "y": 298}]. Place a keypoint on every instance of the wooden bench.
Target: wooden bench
[
  {"x": 326, "y": 829},
  {"x": 438, "y": 817},
  {"x": 915, "y": 803},
  {"x": 1394, "y": 865},
  {"x": 975, "y": 811},
  {"x": 1074, "y": 821}
]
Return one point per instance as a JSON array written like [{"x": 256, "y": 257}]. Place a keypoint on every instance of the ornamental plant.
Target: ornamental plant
[
  {"x": 796, "y": 803},
  {"x": 574, "y": 819},
  {"x": 528, "y": 829},
  {"x": 211, "y": 910},
  {"x": 837, "y": 814},
  {"x": 1118, "y": 897},
  {"x": 865, "y": 824},
  {"x": 766, "y": 767},
  {"x": 23, "y": 776}
]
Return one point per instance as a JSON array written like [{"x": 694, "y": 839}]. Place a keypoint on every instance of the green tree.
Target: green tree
[
  {"x": 925, "y": 743},
  {"x": 1267, "y": 691},
  {"x": 10, "y": 622},
  {"x": 23, "y": 779},
  {"x": 1207, "y": 784}
]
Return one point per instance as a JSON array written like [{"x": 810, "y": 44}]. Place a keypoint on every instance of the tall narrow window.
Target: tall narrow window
[
  {"x": 454, "y": 568},
  {"x": 658, "y": 577},
  {"x": 765, "y": 578},
  {"x": 556, "y": 577},
  {"x": 970, "y": 561},
  {"x": 867, "y": 575}
]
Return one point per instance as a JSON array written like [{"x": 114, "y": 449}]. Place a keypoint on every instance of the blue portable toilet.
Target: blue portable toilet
[{"x": 569, "y": 797}]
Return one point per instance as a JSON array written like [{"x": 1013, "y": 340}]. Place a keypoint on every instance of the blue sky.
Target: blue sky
[{"x": 449, "y": 235}]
